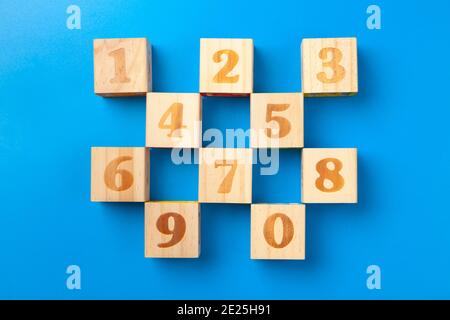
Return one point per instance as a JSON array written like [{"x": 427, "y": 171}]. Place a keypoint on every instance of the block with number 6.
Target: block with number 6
[
  {"x": 329, "y": 175},
  {"x": 120, "y": 174},
  {"x": 172, "y": 229},
  {"x": 278, "y": 231}
]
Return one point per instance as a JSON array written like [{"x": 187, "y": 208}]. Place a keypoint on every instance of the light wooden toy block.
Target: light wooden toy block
[
  {"x": 329, "y": 67},
  {"x": 174, "y": 120},
  {"x": 226, "y": 66},
  {"x": 172, "y": 229},
  {"x": 225, "y": 175},
  {"x": 122, "y": 67},
  {"x": 329, "y": 175},
  {"x": 120, "y": 174},
  {"x": 278, "y": 231},
  {"x": 276, "y": 120}
]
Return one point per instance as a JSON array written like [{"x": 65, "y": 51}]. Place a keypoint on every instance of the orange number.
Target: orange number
[
  {"x": 284, "y": 126},
  {"x": 232, "y": 60},
  {"x": 111, "y": 172},
  {"x": 175, "y": 112},
  {"x": 120, "y": 72},
  {"x": 269, "y": 230},
  {"x": 333, "y": 63},
  {"x": 177, "y": 231},
  {"x": 331, "y": 175},
  {"x": 225, "y": 186}
]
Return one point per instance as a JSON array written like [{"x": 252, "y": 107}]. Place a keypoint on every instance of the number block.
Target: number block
[
  {"x": 276, "y": 120},
  {"x": 172, "y": 229},
  {"x": 329, "y": 67},
  {"x": 122, "y": 67},
  {"x": 120, "y": 174},
  {"x": 278, "y": 231},
  {"x": 226, "y": 66},
  {"x": 173, "y": 120},
  {"x": 225, "y": 175},
  {"x": 329, "y": 175}
]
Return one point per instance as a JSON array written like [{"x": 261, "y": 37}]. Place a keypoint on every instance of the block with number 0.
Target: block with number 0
[
  {"x": 329, "y": 175},
  {"x": 120, "y": 174},
  {"x": 226, "y": 66},
  {"x": 329, "y": 66},
  {"x": 278, "y": 231},
  {"x": 172, "y": 229},
  {"x": 173, "y": 120}
]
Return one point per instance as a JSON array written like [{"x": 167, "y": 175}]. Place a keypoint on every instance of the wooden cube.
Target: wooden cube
[
  {"x": 329, "y": 175},
  {"x": 122, "y": 67},
  {"x": 172, "y": 229},
  {"x": 278, "y": 231},
  {"x": 329, "y": 67},
  {"x": 225, "y": 175},
  {"x": 226, "y": 66},
  {"x": 276, "y": 120},
  {"x": 120, "y": 174},
  {"x": 174, "y": 120}
]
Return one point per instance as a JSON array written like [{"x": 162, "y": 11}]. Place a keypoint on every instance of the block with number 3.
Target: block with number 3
[
  {"x": 173, "y": 120},
  {"x": 329, "y": 175},
  {"x": 172, "y": 229},
  {"x": 278, "y": 231}
]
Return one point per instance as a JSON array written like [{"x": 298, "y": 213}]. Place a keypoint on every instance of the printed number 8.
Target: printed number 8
[{"x": 331, "y": 175}]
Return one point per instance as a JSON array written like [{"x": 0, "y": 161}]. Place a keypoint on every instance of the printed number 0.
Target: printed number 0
[
  {"x": 331, "y": 175},
  {"x": 232, "y": 60},
  {"x": 284, "y": 126},
  {"x": 175, "y": 111},
  {"x": 112, "y": 171},
  {"x": 225, "y": 186},
  {"x": 269, "y": 230},
  {"x": 333, "y": 63},
  {"x": 120, "y": 72},
  {"x": 177, "y": 232}
]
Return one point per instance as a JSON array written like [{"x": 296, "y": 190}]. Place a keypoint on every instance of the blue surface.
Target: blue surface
[{"x": 50, "y": 117}]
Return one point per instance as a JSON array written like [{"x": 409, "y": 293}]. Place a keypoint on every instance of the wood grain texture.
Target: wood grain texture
[
  {"x": 120, "y": 174},
  {"x": 122, "y": 67},
  {"x": 172, "y": 229},
  {"x": 226, "y": 66},
  {"x": 329, "y": 66},
  {"x": 278, "y": 231},
  {"x": 329, "y": 175},
  {"x": 276, "y": 120}
]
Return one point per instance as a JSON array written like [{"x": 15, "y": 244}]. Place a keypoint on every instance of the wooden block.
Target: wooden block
[
  {"x": 278, "y": 231},
  {"x": 174, "y": 120},
  {"x": 225, "y": 175},
  {"x": 329, "y": 67},
  {"x": 122, "y": 67},
  {"x": 120, "y": 174},
  {"x": 172, "y": 229},
  {"x": 226, "y": 66},
  {"x": 329, "y": 175},
  {"x": 276, "y": 120}
]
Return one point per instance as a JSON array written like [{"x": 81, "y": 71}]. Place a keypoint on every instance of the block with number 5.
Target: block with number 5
[{"x": 329, "y": 175}]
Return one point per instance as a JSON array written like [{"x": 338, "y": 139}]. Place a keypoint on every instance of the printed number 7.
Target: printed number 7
[{"x": 225, "y": 186}]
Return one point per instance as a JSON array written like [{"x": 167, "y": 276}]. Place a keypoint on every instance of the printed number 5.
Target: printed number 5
[{"x": 284, "y": 126}]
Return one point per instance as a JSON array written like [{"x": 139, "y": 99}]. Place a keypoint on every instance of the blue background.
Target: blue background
[{"x": 50, "y": 117}]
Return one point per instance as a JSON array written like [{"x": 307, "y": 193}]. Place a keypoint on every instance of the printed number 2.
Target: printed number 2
[
  {"x": 232, "y": 60},
  {"x": 225, "y": 186},
  {"x": 120, "y": 72},
  {"x": 269, "y": 230},
  {"x": 329, "y": 175},
  {"x": 333, "y": 63}
]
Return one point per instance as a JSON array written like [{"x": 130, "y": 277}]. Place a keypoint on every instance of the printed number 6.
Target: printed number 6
[{"x": 112, "y": 171}]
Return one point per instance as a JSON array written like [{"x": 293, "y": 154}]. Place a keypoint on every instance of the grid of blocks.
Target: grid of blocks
[{"x": 122, "y": 67}]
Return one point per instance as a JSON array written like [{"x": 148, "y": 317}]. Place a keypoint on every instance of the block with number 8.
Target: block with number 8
[{"x": 329, "y": 175}]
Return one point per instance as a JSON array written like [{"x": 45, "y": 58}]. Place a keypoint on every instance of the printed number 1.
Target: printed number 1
[{"x": 120, "y": 72}]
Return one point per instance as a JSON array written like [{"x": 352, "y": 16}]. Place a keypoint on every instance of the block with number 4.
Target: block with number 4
[
  {"x": 226, "y": 66},
  {"x": 172, "y": 229},
  {"x": 276, "y": 120},
  {"x": 225, "y": 175},
  {"x": 329, "y": 175},
  {"x": 329, "y": 67},
  {"x": 278, "y": 231},
  {"x": 122, "y": 67},
  {"x": 173, "y": 120},
  {"x": 120, "y": 174}
]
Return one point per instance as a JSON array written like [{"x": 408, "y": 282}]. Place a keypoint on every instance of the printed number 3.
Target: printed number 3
[{"x": 333, "y": 63}]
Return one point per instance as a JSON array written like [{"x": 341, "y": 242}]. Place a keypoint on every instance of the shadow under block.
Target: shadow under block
[
  {"x": 173, "y": 120},
  {"x": 122, "y": 67},
  {"x": 226, "y": 66},
  {"x": 120, "y": 174},
  {"x": 329, "y": 66},
  {"x": 225, "y": 175},
  {"x": 278, "y": 231},
  {"x": 329, "y": 175},
  {"x": 172, "y": 229},
  {"x": 276, "y": 120}
]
